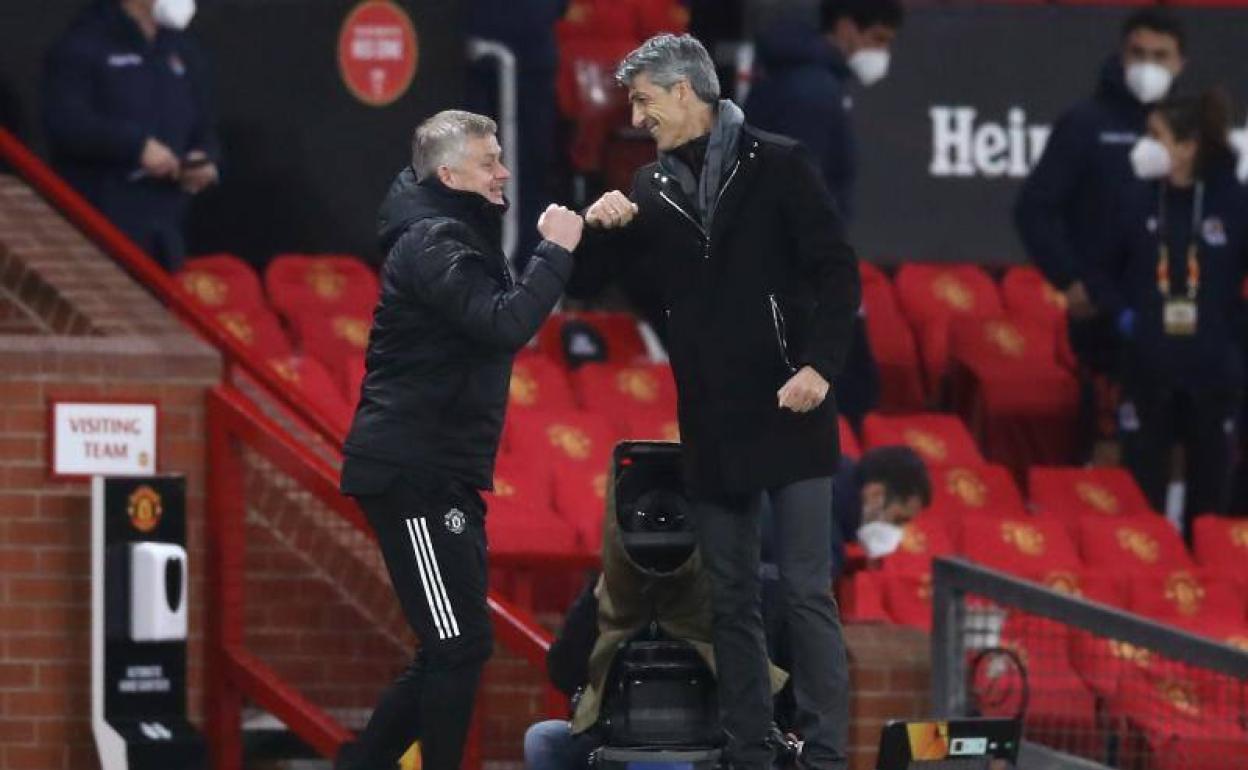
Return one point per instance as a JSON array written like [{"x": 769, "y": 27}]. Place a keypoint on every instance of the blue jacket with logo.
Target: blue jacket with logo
[
  {"x": 107, "y": 89},
  {"x": 1070, "y": 193},
  {"x": 803, "y": 94},
  {"x": 1123, "y": 279}
]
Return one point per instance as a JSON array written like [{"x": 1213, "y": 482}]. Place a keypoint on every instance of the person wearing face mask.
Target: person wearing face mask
[
  {"x": 804, "y": 92},
  {"x": 1071, "y": 192},
  {"x": 807, "y": 76},
  {"x": 128, "y": 118},
  {"x": 1168, "y": 273},
  {"x": 422, "y": 445}
]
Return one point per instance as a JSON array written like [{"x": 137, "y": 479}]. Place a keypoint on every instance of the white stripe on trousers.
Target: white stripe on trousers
[
  {"x": 435, "y": 609},
  {"x": 423, "y": 528}
]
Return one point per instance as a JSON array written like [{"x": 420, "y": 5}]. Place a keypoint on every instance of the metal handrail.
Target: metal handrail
[
  {"x": 234, "y": 422},
  {"x": 113, "y": 242}
]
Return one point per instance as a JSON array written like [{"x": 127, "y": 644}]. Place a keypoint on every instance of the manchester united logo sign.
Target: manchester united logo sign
[{"x": 144, "y": 509}]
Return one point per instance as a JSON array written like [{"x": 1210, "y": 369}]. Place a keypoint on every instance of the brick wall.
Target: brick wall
[
  {"x": 890, "y": 673},
  {"x": 72, "y": 324}
]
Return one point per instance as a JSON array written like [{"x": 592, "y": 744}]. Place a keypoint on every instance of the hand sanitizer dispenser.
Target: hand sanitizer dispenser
[{"x": 157, "y": 592}]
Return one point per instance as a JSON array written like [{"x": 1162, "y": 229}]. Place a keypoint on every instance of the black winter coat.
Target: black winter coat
[
  {"x": 445, "y": 331},
  {"x": 1065, "y": 202},
  {"x": 804, "y": 94},
  {"x": 107, "y": 89},
  {"x": 770, "y": 288}
]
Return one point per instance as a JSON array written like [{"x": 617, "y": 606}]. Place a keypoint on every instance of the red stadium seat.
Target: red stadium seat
[
  {"x": 896, "y": 355},
  {"x": 931, "y": 296},
  {"x": 908, "y": 598},
  {"x": 1203, "y": 602},
  {"x": 298, "y": 283},
  {"x": 257, "y": 329},
  {"x": 930, "y": 292},
  {"x": 922, "y": 540},
  {"x": 332, "y": 337},
  {"x": 538, "y": 383},
  {"x": 520, "y": 520},
  {"x": 310, "y": 378},
  {"x": 222, "y": 282},
  {"x": 1060, "y": 709},
  {"x": 574, "y": 439},
  {"x": 973, "y": 490},
  {"x": 1029, "y": 546},
  {"x": 861, "y": 599},
  {"x": 651, "y": 426},
  {"x": 618, "y": 331},
  {"x": 1221, "y": 543},
  {"x": 1094, "y": 585},
  {"x": 1005, "y": 381},
  {"x": 581, "y": 500},
  {"x": 620, "y": 391},
  {"x": 940, "y": 439},
  {"x": 353, "y": 379},
  {"x": 1072, "y": 493},
  {"x": 1144, "y": 544},
  {"x": 1028, "y": 296},
  {"x": 1186, "y": 718}
]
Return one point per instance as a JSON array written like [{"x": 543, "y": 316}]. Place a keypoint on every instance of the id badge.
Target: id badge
[{"x": 1180, "y": 317}]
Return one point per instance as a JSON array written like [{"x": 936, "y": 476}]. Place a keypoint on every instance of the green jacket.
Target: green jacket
[{"x": 628, "y": 596}]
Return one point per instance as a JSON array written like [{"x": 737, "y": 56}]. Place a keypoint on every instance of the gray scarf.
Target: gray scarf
[{"x": 721, "y": 154}]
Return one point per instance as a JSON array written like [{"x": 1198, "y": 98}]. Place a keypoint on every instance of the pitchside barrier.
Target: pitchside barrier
[{"x": 1089, "y": 681}]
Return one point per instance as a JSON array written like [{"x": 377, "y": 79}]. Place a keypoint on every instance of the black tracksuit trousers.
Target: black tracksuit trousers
[{"x": 432, "y": 537}]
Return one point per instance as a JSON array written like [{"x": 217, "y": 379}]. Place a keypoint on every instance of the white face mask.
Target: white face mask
[
  {"x": 879, "y": 538},
  {"x": 1150, "y": 159},
  {"x": 870, "y": 65},
  {"x": 174, "y": 14},
  {"x": 1149, "y": 81}
]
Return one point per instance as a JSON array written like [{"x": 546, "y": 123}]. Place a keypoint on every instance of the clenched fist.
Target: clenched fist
[
  {"x": 613, "y": 209},
  {"x": 561, "y": 226},
  {"x": 804, "y": 391}
]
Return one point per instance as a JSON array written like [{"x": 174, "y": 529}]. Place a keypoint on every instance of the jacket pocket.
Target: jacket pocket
[{"x": 780, "y": 327}]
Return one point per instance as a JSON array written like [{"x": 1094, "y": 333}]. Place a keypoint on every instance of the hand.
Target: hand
[
  {"x": 613, "y": 209},
  {"x": 804, "y": 391},
  {"x": 199, "y": 176},
  {"x": 561, "y": 226},
  {"x": 158, "y": 161},
  {"x": 1078, "y": 302}
]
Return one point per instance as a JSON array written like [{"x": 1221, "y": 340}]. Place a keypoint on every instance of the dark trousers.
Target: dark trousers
[
  {"x": 434, "y": 546},
  {"x": 1155, "y": 417},
  {"x": 729, "y": 539}
]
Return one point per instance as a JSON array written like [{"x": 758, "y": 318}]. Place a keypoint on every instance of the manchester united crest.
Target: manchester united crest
[
  {"x": 144, "y": 509},
  {"x": 455, "y": 521}
]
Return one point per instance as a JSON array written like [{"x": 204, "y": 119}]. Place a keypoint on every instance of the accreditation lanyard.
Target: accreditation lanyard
[{"x": 1193, "y": 250}]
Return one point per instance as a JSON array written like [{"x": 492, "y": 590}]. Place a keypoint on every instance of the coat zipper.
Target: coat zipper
[
  {"x": 706, "y": 237},
  {"x": 777, "y": 320}
]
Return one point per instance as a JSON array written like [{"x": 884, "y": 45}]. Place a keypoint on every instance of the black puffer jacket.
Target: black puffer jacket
[{"x": 449, "y": 321}]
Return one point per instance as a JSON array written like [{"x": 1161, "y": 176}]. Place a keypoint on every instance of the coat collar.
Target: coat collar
[{"x": 737, "y": 181}]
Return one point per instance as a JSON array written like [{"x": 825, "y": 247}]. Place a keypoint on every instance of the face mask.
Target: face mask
[
  {"x": 1149, "y": 81},
  {"x": 1150, "y": 159},
  {"x": 870, "y": 65},
  {"x": 879, "y": 538},
  {"x": 174, "y": 14}
]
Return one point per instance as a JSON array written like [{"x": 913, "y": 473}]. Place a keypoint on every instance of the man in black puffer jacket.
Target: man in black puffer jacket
[{"x": 426, "y": 431}]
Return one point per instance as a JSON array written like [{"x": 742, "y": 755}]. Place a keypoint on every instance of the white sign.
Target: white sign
[{"x": 103, "y": 439}]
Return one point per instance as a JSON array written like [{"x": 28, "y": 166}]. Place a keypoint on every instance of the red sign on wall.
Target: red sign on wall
[{"x": 377, "y": 52}]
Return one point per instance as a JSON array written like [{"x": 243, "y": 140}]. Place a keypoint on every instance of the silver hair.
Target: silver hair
[
  {"x": 439, "y": 141},
  {"x": 667, "y": 59}
]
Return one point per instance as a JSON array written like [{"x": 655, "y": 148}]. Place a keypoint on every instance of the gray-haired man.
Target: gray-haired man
[
  {"x": 736, "y": 229},
  {"x": 426, "y": 431}
]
